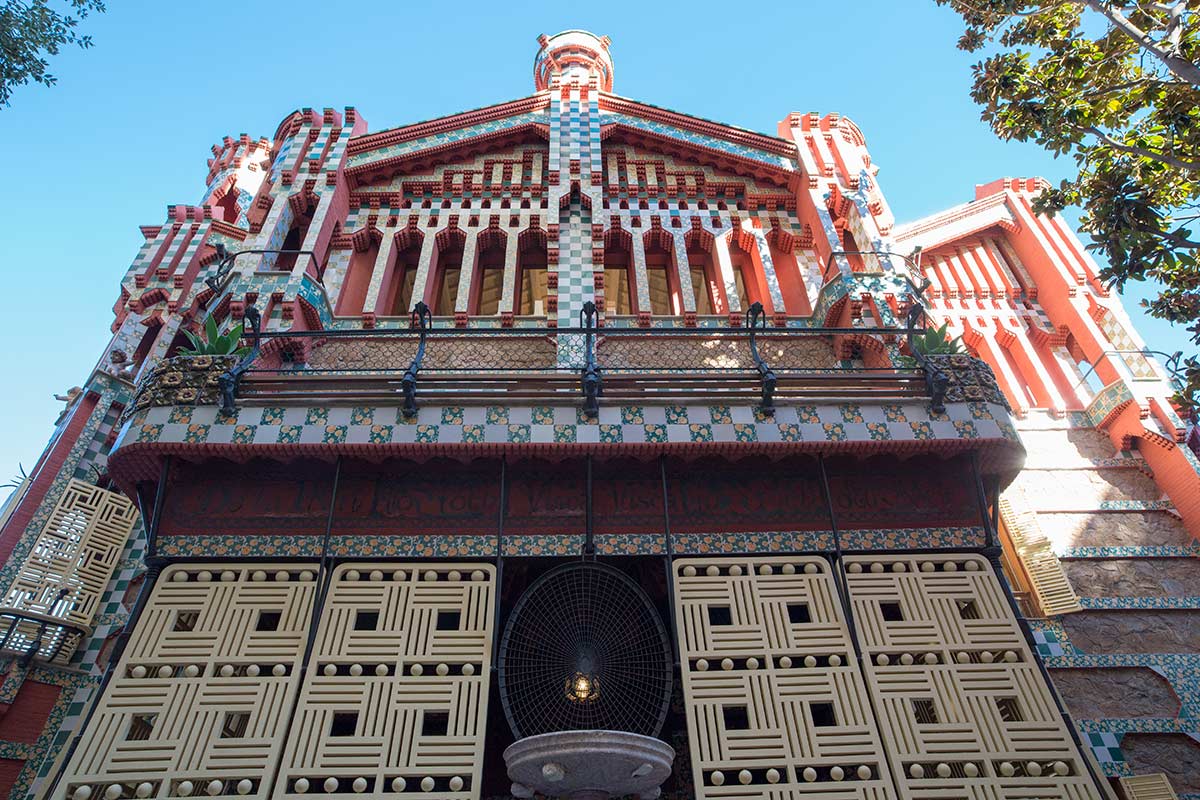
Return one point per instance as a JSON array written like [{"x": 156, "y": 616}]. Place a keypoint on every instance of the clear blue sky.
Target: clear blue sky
[{"x": 128, "y": 128}]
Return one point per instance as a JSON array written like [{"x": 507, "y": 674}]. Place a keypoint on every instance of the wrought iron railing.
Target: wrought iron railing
[{"x": 30, "y": 635}]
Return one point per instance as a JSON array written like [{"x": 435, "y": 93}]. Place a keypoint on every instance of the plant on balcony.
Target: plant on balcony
[
  {"x": 215, "y": 343},
  {"x": 933, "y": 342}
]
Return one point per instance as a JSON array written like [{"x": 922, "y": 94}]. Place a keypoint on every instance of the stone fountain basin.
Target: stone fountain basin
[{"x": 588, "y": 765}]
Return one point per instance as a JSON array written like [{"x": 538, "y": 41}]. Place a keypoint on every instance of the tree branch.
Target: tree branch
[
  {"x": 1180, "y": 67},
  {"x": 1169, "y": 160}
]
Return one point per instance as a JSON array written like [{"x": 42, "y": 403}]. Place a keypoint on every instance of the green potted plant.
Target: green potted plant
[
  {"x": 933, "y": 342},
  {"x": 215, "y": 343}
]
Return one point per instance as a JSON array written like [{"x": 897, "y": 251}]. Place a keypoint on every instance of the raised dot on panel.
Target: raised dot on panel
[
  {"x": 717, "y": 778},
  {"x": 352, "y": 575},
  {"x": 916, "y": 771},
  {"x": 282, "y": 576},
  {"x": 113, "y": 791},
  {"x": 178, "y": 577},
  {"x": 279, "y": 670},
  {"x": 359, "y": 785},
  {"x": 882, "y": 660},
  {"x": 356, "y": 670},
  {"x": 398, "y": 784},
  {"x": 258, "y": 576},
  {"x": 228, "y": 575},
  {"x": 950, "y": 566},
  {"x": 215, "y": 787},
  {"x": 809, "y": 774},
  {"x": 300, "y": 786},
  {"x": 331, "y": 784},
  {"x": 185, "y": 789},
  {"x": 144, "y": 789},
  {"x": 399, "y": 575},
  {"x": 835, "y": 661},
  {"x": 712, "y": 571},
  {"x": 443, "y": 670},
  {"x": 431, "y": 576},
  {"x": 165, "y": 671},
  {"x": 943, "y": 770},
  {"x": 864, "y": 773},
  {"x": 252, "y": 670},
  {"x": 855, "y": 568},
  {"x": 455, "y": 576},
  {"x": 1007, "y": 769},
  {"x": 964, "y": 658},
  {"x": 735, "y": 570},
  {"x": 244, "y": 786},
  {"x": 478, "y": 575},
  {"x": 786, "y": 662},
  {"x": 468, "y": 669},
  {"x": 971, "y": 566},
  {"x": 1010, "y": 656},
  {"x": 226, "y": 671},
  {"x": 381, "y": 670},
  {"x": 427, "y": 784},
  {"x": 773, "y": 775},
  {"x": 138, "y": 672},
  {"x": 82, "y": 793},
  {"x": 876, "y": 567},
  {"x": 191, "y": 670},
  {"x": 970, "y": 770},
  {"x": 751, "y": 663},
  {"x": 330, "y": 670},
  {"x": 689, "y": 571},
  {"x": 837, "y": 773},
  {"x": 1033, "y": 768},
  {"x": 416, "y": 669},
  {"x": 931, "y": 658},
  {"x": 765, "y": 569},
  {"x": 456, "y": 784},
  {"x": 306, "y": 576},
  {"x": 789, "y": 569},
  {"x": 811, "y": 569},
  {"x": 702, "y": 665},
  {"x": 986, "y": 657},
  {"x": 376, "y": 576},
  {"x": 906, "y": 659},
  {"x": 204, "y": 576},
  {"x": 899, "y": 566},
  {"x": 726, "y": 663},
  {"x": 1061, "y": 768},
  {"x": 928, "y": 566}
]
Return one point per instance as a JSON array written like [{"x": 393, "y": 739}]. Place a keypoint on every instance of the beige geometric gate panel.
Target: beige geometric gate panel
[
  {"x": 962, "y": 706},
  {"x": 68, "y": 569},
  {"x": 776, "y": 706},
  {"x": 397, "y": 695},
  {"x": 199, "y": 702}
]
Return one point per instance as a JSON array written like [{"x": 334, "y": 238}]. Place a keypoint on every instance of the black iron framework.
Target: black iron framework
[
  {"x": 758, "y": 319},
  {"x": 585, "y": 649},
  {"x": 225, "y": 260},
  {"x": 591, "y": 381},
  {"x": 422, "y": 319},
  {"x": 231, "y": 380}
]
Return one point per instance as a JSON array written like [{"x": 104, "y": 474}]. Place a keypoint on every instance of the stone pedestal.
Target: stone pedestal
[{"x": 588, "y": 765}]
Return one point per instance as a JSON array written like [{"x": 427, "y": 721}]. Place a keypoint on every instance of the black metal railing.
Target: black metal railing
[{"x": 30, "y": 635}]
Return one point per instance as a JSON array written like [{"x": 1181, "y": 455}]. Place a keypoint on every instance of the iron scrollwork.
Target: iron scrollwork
[
  {"x": 422, "y": 319},
  {"x": 229, "y": 382},
  {"x": 758, "y": 319},
  {"x": 590, "y": 374}
]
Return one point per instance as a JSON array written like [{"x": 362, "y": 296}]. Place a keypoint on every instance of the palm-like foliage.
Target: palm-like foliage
[
  {"x": 934, "y": 342},
  {"x": 215, "y": 343}
]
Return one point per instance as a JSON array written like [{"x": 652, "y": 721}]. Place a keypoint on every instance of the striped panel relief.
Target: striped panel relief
[
  {"x": 210, "y": 698},
  {"x": 946, "y": 697}
]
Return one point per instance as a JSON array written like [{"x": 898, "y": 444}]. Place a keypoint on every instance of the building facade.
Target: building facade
[{"x": 579, "y": 368}]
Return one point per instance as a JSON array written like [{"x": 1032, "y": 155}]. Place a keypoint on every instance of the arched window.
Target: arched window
[
  {"x": 661, "y": 275},
  {"x": 787, "y": 272},
  {"x": 532, "y": 259},
  {"x": 444, "y": 272},
  {"x": 620, "y": 296},
  {"x": 395, "y": 292},
  {"x": 706, "y": 277},
  {"x": 748, "y": 275},
  {"x": 358, "y": 277},
  {"x": 227, "y": 206},
  {"x": 488, "y": 282}
]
